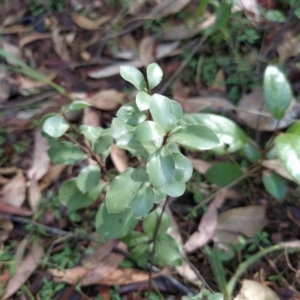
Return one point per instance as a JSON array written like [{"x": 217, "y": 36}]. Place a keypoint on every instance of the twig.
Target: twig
[{"x": 154, "y": 245}]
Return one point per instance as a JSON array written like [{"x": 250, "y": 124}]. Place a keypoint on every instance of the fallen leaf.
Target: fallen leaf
[
  {"x": 14, "y": 210},
  {"x": 207, "y": 224},
  {"x": 6, "y": 226},
  {"x": 41, "y": 160},
  {"x": 90, "y": 274},
  {"x": 59, "y": 43},
  {"x": 288, "y": 47},
  {"x": 254, "y": 113},
  {"x": 123, "y": 276},
  {"x": 8, "y": 171},
  {"x": 199, "y": 165},
  {"x": 13, "y": 29},
  {"x": 167, "y": 7},
  {"x": 89, "y": 24},
  {"x": 34, "y": 195},
  {"x": 14, "y": 14},
  {"x": 5, "y": 89},
  {"x": 12, "y": 50},
  {"x": 119, "y": 158},
  {"x": 276, "y": 166},
  {"x": 27, "y": 39},
  {"x": 246, "y": 221},
  {"x": 251, "y": 290},
  {"x": 135, "y": 6},
  {"x": 52, "y": 174},
  {"x": 14, "y": 191},
  {"x": 146, "y": 50},
  {"x": 107, "y": 99},
  {"x": 181, "y": 32},
  {"x": 219, "y": 82},
  {"x": 24, "y": 270},
  {"x": 251, "y": 9}
]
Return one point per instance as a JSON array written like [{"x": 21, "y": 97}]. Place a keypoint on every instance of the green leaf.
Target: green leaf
[
  {"x": 55, "y": 126},
  {"x": 117, "y": 225},
  {"x": 133, "y": 76},
  {"x": 142, "y": 202},
  {"x": 66, "y": 153},
  {"x": 223, "y": 173},
  {"x": 183, "y": 167},
  {"x": 198, "y": 137},
  {"x": 124, "y": 188},
  {"x": 177, "y": 111},
  {"x": 167, "y": 249},
  {"x": 120, "y": 128},
  {"x": 150, "y": 221},
  {"x": 78, "y": 105},
  {"x": 159, "y": 196},
  {"x": 231, "y": 136},
  {"x": 103, "y": 145},
  {"x": 149, "y": 131},
  {"x": 161, "y": 167},
  {"x": 295, "y": 129},
  {"x": 275, "y": 185},
  {"x": 73, "y": 198},
  {"x": 143, "y": 100},
  {"x": 251, "y": 153},
  {"x": 277, "y": 91},
  {"x": 91, "y": 133},
  {"x": 154, "y": 75},
  {"x": 288, "y": 150},
  {"x": 216, "y": 296},
  {"x": 88, "y": 178},
  {"x": 139, "y": 251},
  {"x": 174, "y": 188},
  {"x": 135, "y": 238},
  {"x": 131, "y": 115},
  {"x": 161, "y": 110},
  {"x": 275, "y": 15}
]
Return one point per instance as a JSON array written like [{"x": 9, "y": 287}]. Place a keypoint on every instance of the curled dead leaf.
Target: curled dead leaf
[
  {"x": 107, "y": 99},
  {"x": 89, "y": 24},
  {"x": 119, "y": 158},
  {"x": 52, "y": 174},
  {"x": 60, "y": 45},
  {"x": 27, "y": 39},
  {"x": 276, "y": 166}
]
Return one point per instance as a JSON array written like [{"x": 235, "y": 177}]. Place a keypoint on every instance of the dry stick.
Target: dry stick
[
  {"x": 154, "y": 245},
  {"x": 184, "y": 64}
]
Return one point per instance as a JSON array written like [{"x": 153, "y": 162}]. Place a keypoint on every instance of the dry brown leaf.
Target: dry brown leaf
[
  {"x": 276, "y": 166},
  {"x": 135, "y": 6},
  {"x": 251, "y": 9},
  {"x": 219, "y": 82},
  {"x": 146, "y": 50},
  {"x": 167, "y": 7},
  {"x": 91, "y": 273},
  {"x": 13, "y": 29},
  {"x": 60, "y": 45},
  {"x": 12, "y": 50},
  {"x": 107, "y": 99},
  {"x": 199, "y": 165},
  {"x": 6, "y": 226},
  {"x": 5, "y": 89},
  {"x": 181, "y": 32},
  {"x": 254, "y": 102},
  {"x": 26, "y": 83},
  {"x": 246, "y": 221},
  {"x": 14, "y": 210},
  {"x": 89, "y": 24},
  {"x": 14, "y": 191},
  {"x": 27, "y": 39},
  {"x": 123, "y": 276},
  {"x": 251, "y": 290},
  {"x": 24, "y": 270},
  {"x": 207, "y": 224},
  {"x": 119, "y": 158},
  {"x": 53, "y": 173},
  {"x": 41, "y": 160},
  {"x": 289, "y": 46},
  {"x": 14, "y": 15},
  {"x": 8, "y": 171},
  {"x": 34, "y": 195}
]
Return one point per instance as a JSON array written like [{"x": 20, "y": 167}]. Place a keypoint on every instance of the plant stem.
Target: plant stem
[{"x": 154, "y": 245}]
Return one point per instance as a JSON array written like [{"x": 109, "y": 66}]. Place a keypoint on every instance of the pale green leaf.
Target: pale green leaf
[
  {"x": 78, "y": 105},
  {"x": 275, "y": 185},
  {"x": 119, "y": 128},
  {"x": 91, "y": 133},
  {"x": 161, "y": 110},
  {"x": 183, "y": 167},
  {"x": 231, "y": 136},
  {"x": 116, "y": 225},
  {"x": 288, "y": 150},
  {"x": 103, "y": 145},
  {"x": 55, "y": 126},
  {"x": 277, "y": 91},
  {"x": 251, "y": 153},
  {"x": 295, "y": 129},
  {"x": 66, "y": 153},
  {"x": 154, "y": 75},
  {"x": 150, "y": 222},
  {"x": 135, "y": 238},
  {"x": 73, "y": 198},
  {"x": 124, "y": 188},
  {"x": 88, "y": 178},
  {"x": 142, "y": 202},
  {"x": 198, "y": 137},
  {"x": 177, "y": 111},
  {"x": 161, "y": 167},
  {"x": 149, "y": 131},
  {"x": 131, "y": 115},
  {"x": 143, "y": 100},
  {"x": 159, "y": 196},
  {"x": 174, "y": 188},
  {"x": 223, "y": 173},
  {"x": 133, "y": 76}
]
